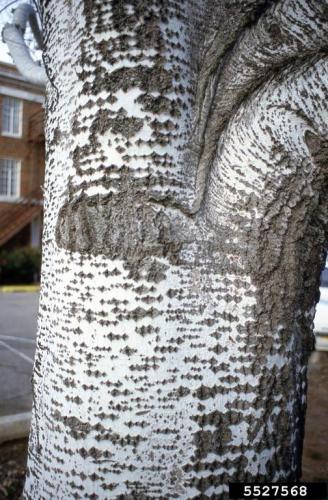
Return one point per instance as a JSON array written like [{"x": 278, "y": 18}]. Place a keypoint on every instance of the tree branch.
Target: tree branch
[
  {"x": 13, "y": 36},
  {"x": 280, "y": 36}
]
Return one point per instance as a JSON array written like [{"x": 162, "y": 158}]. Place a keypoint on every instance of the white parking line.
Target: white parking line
[
  {"x": 17, "y": 339},
  {"x": 16, "y": 352}
]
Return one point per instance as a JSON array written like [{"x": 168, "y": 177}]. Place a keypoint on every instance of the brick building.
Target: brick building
[{"x": 21, "y": 159}]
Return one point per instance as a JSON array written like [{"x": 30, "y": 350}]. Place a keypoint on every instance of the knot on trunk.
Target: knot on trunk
[{"x": 116, "y": 227}]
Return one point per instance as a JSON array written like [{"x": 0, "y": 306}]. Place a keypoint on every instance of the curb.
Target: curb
[
  {"x": 14, "y": 426},
  {"x": 19, "y": 288}
]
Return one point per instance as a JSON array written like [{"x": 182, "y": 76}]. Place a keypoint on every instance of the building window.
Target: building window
[
  {"x": 9, "y": 178},
  {"x": 11, "y": 116}
]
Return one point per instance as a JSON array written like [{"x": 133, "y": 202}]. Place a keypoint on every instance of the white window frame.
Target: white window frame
[
  {"x": 13, "y": 197},
  {"x": 7, "y": 133}
]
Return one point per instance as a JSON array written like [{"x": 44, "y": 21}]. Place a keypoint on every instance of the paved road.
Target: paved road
[{"x": 18, "y": 317}]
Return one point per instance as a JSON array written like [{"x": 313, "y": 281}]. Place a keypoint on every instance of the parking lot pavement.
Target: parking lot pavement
[
  {"x": 18, "y": 323},
  {"x": 315, "y": 462}
]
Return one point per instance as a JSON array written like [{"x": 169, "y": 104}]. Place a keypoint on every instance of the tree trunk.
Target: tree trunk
[{"x": 185, "y": 231}]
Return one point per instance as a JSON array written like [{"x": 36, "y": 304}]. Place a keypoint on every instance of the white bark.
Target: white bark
[{"x": 173, "y": 341}]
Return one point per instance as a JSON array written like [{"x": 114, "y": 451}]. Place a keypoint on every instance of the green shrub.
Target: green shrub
[{"x": 20, "y": 266}]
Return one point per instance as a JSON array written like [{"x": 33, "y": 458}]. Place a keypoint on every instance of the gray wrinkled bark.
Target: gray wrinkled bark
[{"x": 185, "y": 230}]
